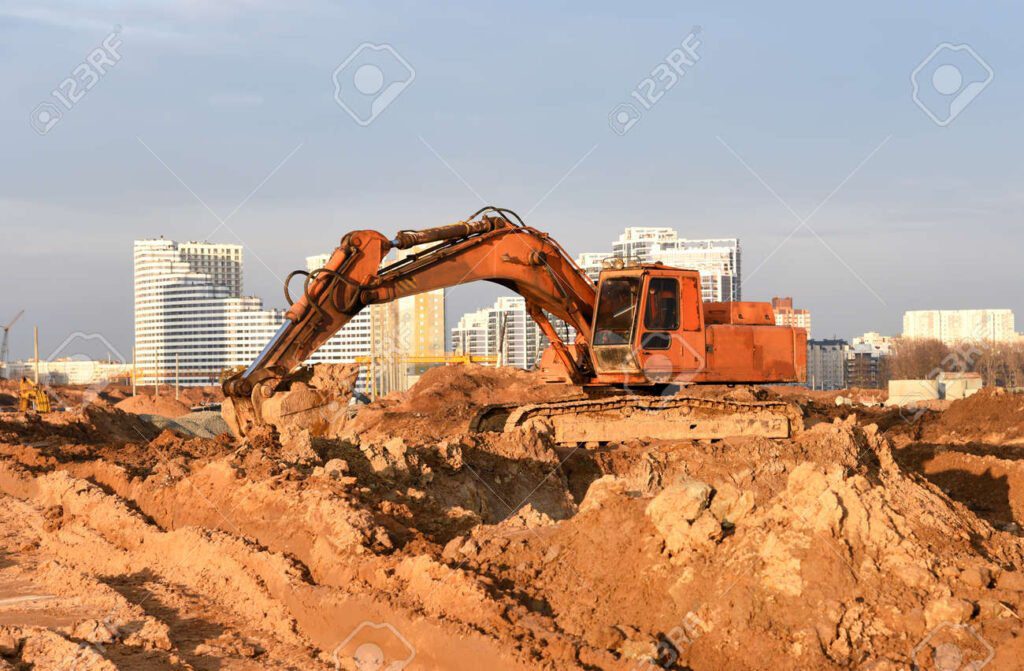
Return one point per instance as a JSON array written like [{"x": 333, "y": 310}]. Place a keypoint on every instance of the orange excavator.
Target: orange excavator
[{"x": 643, "y": 334}]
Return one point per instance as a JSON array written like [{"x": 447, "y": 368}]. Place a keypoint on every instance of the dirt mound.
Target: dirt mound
[
  {"x": 806, "y": 563},
  {"x": 989, "y": 482},
  {"x": 198, "y": 395},
  {"x": 447, "y": 388},
  {"x": 407, "y": 535},
  {"x": 855, "y": 394},
  {"x": 163, "y": 406},
  {"x": 991, "y": 416},
  {"x": 96, "y": 423},
  {"x": 449, "y": 395}
]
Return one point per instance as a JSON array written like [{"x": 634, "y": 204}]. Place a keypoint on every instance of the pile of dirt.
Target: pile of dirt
[
  {"x": 992, "y": 416},
  {"x": 449, "y": 396},
  {"x": 973, "y": 451},
  {"x": 144, "y": 404},
  {"x": 452, "y": 388},
  {"x": 826, "y": 556},
  {"x": 404, "y": 536},
  {"x": 202, "y": 424},
  {"x": 201, "y": 395},
  {"x": 95, "y": 423},
  {"x": 855, "y": 395}
]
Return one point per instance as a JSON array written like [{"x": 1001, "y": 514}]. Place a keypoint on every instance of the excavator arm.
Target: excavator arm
[{"x": 487, "y": 246}]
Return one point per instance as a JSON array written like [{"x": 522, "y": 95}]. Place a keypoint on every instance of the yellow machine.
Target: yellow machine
[{"x": 32, "y": 397}]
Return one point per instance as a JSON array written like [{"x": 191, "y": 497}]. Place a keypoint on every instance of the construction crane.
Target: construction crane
[
  {"x": 7, "y": 329},
  {"x": 641, "y": 332}
]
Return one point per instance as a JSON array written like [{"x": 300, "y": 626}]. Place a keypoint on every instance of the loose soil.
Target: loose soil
[
  {"x": 869, "y": 541},
  {"x": 153, "y": 405}
]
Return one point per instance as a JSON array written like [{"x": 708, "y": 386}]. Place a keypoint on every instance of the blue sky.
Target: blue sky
[{"x": 792, "y": 109}]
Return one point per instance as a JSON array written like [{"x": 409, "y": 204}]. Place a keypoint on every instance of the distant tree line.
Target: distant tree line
[{"x": 1000, "y": 364}]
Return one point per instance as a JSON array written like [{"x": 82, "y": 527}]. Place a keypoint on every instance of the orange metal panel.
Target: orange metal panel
[
  {"x": 755, "y": 354},
  {"x": 739, "y": 312}
]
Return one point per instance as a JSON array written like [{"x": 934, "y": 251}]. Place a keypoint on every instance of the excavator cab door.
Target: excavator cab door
[
  {"x": 615, "y": 323},
  {"x": 670, "y": 338}
]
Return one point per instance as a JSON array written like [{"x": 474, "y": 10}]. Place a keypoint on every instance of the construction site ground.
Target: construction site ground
[{"x": 877, "y": 538}]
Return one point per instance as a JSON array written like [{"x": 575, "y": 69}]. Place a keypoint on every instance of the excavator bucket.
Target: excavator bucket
[{"x": 311, "y": 400}]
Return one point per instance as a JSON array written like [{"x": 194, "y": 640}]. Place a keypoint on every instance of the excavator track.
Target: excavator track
[{"x": 620, "y": 418}]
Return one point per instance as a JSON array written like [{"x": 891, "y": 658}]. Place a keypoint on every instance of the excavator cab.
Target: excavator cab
[{"x": 648, "y": 325}]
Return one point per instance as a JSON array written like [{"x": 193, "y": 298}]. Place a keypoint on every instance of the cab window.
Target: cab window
[
  {"x": 662, "y": 311},
  {"x": 616, "y": 307}
]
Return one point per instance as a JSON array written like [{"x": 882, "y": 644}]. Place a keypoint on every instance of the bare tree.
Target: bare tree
[{"x": 1000, "y": 364}]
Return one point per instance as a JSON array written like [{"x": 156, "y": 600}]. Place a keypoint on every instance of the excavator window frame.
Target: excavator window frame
[
  {"x": 656, "y": 308},
  {"x": 657, "y": 330},
  {"x": 634, "y": 283}
]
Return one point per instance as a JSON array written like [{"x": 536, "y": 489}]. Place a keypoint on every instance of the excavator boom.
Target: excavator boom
[{"x": 488, "y": 246}]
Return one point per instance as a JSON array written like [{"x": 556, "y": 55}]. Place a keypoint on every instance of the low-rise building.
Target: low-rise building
[
  {"x": 826, "y": 364},
  {"x": 787, "y": 315},
  {"x": 69, "y": 371},
  {"x": 866, "y": 358}
]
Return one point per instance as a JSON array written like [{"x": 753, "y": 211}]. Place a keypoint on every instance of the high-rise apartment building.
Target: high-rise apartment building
[
  {"x": 469, "y": 336},
  {"x": 787, "y": 315},
  {"x": 955, "y": 326},
  {"x": 506, "y": 331},
  {"x": 592, "y": 263},
  {"x": 717, "y": 260},
  {"x": 191, "y": 321},
  {"x": 512, "y": 335},
  {"x": 866, "y": 358},
  {"x": 223, "y": 263},
  {"x": 636, "y": 242}
]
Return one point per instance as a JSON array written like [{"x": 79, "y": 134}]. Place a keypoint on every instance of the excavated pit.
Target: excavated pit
[{"x": 866, "y": 541}]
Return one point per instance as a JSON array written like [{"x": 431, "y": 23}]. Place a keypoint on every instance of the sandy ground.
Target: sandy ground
[{"x": 873, "y": 540}]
